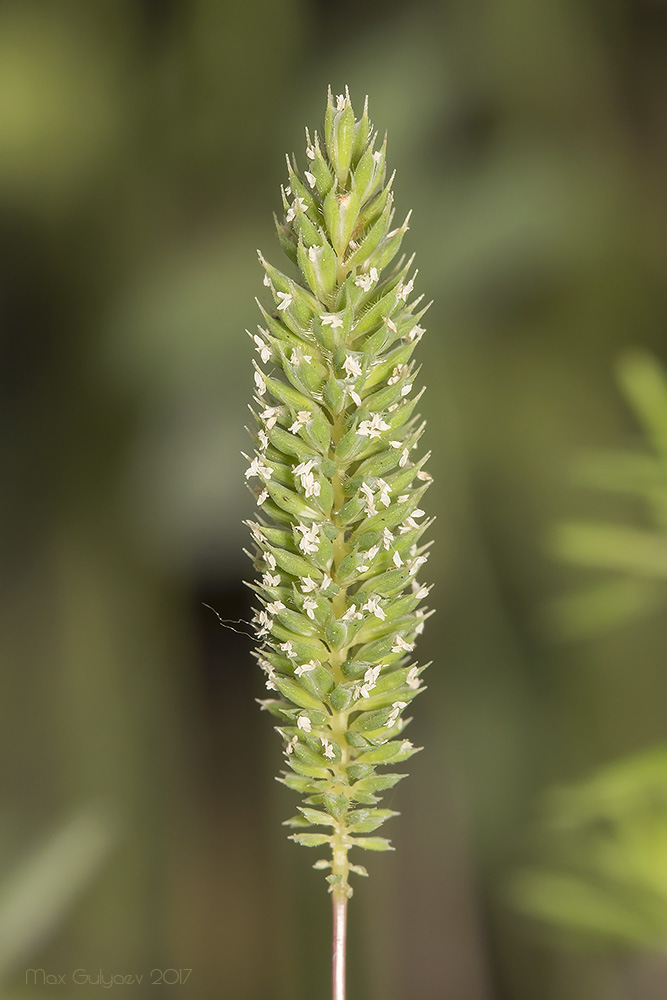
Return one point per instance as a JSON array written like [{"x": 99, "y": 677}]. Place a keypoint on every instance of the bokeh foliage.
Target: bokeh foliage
[{"x": 139, "y": 165}]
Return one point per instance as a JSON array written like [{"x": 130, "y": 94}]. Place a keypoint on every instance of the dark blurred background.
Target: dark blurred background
[{"x": 141, "y": 150}]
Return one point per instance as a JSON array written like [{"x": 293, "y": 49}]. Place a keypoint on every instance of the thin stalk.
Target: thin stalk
[{"x": 339, "y": 944}]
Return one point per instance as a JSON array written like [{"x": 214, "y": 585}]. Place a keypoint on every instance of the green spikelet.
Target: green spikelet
[{"x": 338, "y": 542}]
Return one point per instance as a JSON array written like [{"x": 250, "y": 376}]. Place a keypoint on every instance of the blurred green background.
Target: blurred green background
[{"x": 141, "y": 150}]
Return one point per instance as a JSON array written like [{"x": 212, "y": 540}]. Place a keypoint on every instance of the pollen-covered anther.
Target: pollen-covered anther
[
  {"x": 351, "y": 614},
  {"x": 302, "y": 418},
  {"x": 275, "y": 607},
  {"x": 260, "y": 383},
  {"x": 310, "y": 178},
  {"x": 269, "y": 580},
  {"x": 304, "y": 723},
  {"x": 372, "y": 428},
  {"x": 270, "y": 560},
  {"x": 396, "y": 559},
  {"x": 288, "y": 649},
  {"x": 327, "y": 748},
  {"x": 292, "y": 743},
  {"x": 286, "y": 299},
  {"x": 387, "y": 539},
  {"x": 263, "y": 497}
]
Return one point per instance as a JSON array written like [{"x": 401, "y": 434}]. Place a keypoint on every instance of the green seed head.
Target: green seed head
[{"x": 339, "y": 482}]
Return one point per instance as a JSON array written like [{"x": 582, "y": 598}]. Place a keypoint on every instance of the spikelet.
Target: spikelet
[{"x": 339, "y": 485}]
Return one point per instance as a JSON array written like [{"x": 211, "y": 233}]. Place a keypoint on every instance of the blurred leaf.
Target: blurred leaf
[
  {"x": 645, "y": 386},
  {"x": 637, "y": 556},
  {"x": 35, "y": 897},
  {"x": 604, "y": 841}
]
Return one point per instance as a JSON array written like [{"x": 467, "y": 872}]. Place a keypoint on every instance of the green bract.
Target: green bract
[{"x": 338, "y": 539}]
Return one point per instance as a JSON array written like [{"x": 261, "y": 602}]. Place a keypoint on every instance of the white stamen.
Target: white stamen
[
  {"x": 372, "y": 428},
  {"x": 270, "y": 416},
  {"x": 385, "y": 490},
  {"x": 415, "y": 334},
  {"x": 412, "y": 679},
  {"x": 262, "y": 349},
  {"x": 396, "y": 710},
  {"x": 352, "y": 367},
  {"x": 373, "y": 607},
  {"x": 366, "y": 281},
  {"x": 308, "y": 543},
  {"x": 368, "y": 494},
  {"x": 370, "y": 681},
  {"x": 310, "y": 607},
  {"x": 257, "y": 468},
  {"x": 401, "y": 646}
]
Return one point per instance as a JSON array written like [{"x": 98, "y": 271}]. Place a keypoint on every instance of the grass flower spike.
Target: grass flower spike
[{"x": 339, "y": 481}]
